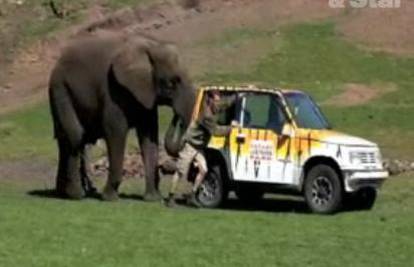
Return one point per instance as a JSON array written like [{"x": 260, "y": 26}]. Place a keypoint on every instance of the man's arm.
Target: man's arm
[{"x": 215, "y": 129}]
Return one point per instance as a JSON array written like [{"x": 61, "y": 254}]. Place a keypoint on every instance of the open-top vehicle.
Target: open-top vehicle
[{"x": 281, "y": 142}]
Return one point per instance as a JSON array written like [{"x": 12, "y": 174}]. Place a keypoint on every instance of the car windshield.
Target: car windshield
[{"x": 305, "y": 111}]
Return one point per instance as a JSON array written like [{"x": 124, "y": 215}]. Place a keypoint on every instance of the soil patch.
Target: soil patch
[
  {"x": 358, "y": 94},
  {"x": 390, "y": 29},
  {"x": 34, "y": 170}
]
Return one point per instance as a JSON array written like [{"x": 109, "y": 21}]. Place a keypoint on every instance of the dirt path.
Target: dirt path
[{"x": 29, "y": 170}]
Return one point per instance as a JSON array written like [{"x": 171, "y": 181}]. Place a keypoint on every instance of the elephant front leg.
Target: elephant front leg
[
  {"x": 85, "y": 171},
  {"x": 148, "y": 140},
  {"x": 116, "y": 149}
]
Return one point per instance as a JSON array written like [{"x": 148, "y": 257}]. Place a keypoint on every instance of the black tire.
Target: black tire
[
  {"x": 323, "y": 190},
  {"x": 363, "y": 199},
  {"x": 249, "y": 193},
  {"x": 212, "y": 192}
]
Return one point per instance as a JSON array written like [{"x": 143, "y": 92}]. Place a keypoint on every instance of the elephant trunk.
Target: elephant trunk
[
  {"x": 173, "y": 140},
  {"x": 183, "y": 108}
]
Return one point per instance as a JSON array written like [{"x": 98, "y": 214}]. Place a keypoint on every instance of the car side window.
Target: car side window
[
  {"x": 263, "y": 111},
  {"x": 228, "y": 112}
]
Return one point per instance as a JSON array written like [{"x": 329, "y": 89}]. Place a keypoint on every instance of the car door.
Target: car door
[{"x": 258, "y": 151}]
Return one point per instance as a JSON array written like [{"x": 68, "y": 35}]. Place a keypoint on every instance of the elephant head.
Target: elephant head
[{"x": 152, "y": 72}]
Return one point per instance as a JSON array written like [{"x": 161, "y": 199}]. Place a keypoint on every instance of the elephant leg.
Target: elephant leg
[
  {"x": 148, "y": 140},
  {"x": 61, "y": 177},
  {"x": 115, "y": 141},
  {"x": 74, "y": 189},
  {"x": 68, "y": 181},
  {"x": 85, "y": 170}
]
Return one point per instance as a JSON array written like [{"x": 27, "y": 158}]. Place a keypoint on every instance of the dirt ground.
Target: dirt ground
[
  {"x": 358, "y": 94},
  {"x": 389, "y": 30},
  {"x": 26, "y": 78}
]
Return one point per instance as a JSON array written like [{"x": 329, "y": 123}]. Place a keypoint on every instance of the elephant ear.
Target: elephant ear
[{"x": 133, "y": 70}]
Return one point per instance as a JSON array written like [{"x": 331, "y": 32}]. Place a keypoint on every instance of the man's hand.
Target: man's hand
[{"x": 234, "y": 123}]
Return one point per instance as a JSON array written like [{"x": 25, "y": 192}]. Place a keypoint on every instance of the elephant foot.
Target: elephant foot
[
  {"x": 152, "y": 196},
  {"x": 109, "y": 194},
  {"x": 74, "y": 191},
  {"x": 60, "y": 188},
  {"x": 92, "y": 193}
]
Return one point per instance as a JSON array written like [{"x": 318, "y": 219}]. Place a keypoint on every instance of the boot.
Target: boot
[
  {"x": 193, "y": 201},
  {"x": 170, "y": 201}
]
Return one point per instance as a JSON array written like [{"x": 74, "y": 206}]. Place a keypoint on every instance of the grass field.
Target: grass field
[
  {"x": 41, "y": 231},
  {"x": 37, "y": 230}
]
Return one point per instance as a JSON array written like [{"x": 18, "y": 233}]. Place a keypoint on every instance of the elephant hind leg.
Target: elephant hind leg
[
  {"x": 61, "y": 177},
  {"x": 69, "y": 133},
  {"x": 68, "y": 180}
]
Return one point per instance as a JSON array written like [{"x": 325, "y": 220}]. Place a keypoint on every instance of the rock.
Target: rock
[
  {"x": 190, "y": 4},
  {"x": 157, "y": 25},
  {"x": 393, "y": 169},
  {"x": 396, "y": 166}
]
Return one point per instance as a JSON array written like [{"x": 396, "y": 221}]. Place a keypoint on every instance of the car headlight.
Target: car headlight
[
  {"x": 355, "y": 157},
  {"x": 362, "y": 157}
]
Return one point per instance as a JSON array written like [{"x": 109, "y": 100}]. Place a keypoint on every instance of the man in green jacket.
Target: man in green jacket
[{"x": 196, "y": 140}]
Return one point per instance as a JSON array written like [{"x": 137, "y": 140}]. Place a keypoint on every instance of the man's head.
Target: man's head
[{"x": 213, "y": 97}]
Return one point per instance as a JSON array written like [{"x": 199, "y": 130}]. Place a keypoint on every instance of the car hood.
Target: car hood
[{"x": 339, "y": 138}]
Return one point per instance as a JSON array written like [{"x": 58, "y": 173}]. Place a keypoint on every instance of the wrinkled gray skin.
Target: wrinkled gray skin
[{"x": 100, "y": 88}]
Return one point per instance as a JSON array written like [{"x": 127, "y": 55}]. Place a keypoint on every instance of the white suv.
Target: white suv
[{"x": 281, "y": 142}]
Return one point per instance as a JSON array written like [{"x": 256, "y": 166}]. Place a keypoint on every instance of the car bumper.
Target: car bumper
[{"x": 356, "y": 179}]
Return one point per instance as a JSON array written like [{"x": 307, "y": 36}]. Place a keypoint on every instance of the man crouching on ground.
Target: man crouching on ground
[{"x": 196, "y": 140}]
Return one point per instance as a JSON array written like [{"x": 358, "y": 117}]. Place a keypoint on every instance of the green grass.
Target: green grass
[
  {"x": 26, "y": 133},
  {"x": 38, "y": 231},
  {"x": 29, "y": 133}
]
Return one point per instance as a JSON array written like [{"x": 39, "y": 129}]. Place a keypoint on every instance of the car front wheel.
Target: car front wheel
[
  {"x": 323, "y": 190},
  {"x": 212, "y": 192}
]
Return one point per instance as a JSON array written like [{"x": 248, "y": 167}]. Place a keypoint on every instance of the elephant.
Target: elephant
[{"x": 102, "y": 86}]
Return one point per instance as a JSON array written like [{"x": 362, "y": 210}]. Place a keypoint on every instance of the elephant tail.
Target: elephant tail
[{"x": 66, "y": 123}]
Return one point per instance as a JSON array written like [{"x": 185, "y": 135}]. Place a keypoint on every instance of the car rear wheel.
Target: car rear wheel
[{"x": 323, "y": 190}]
